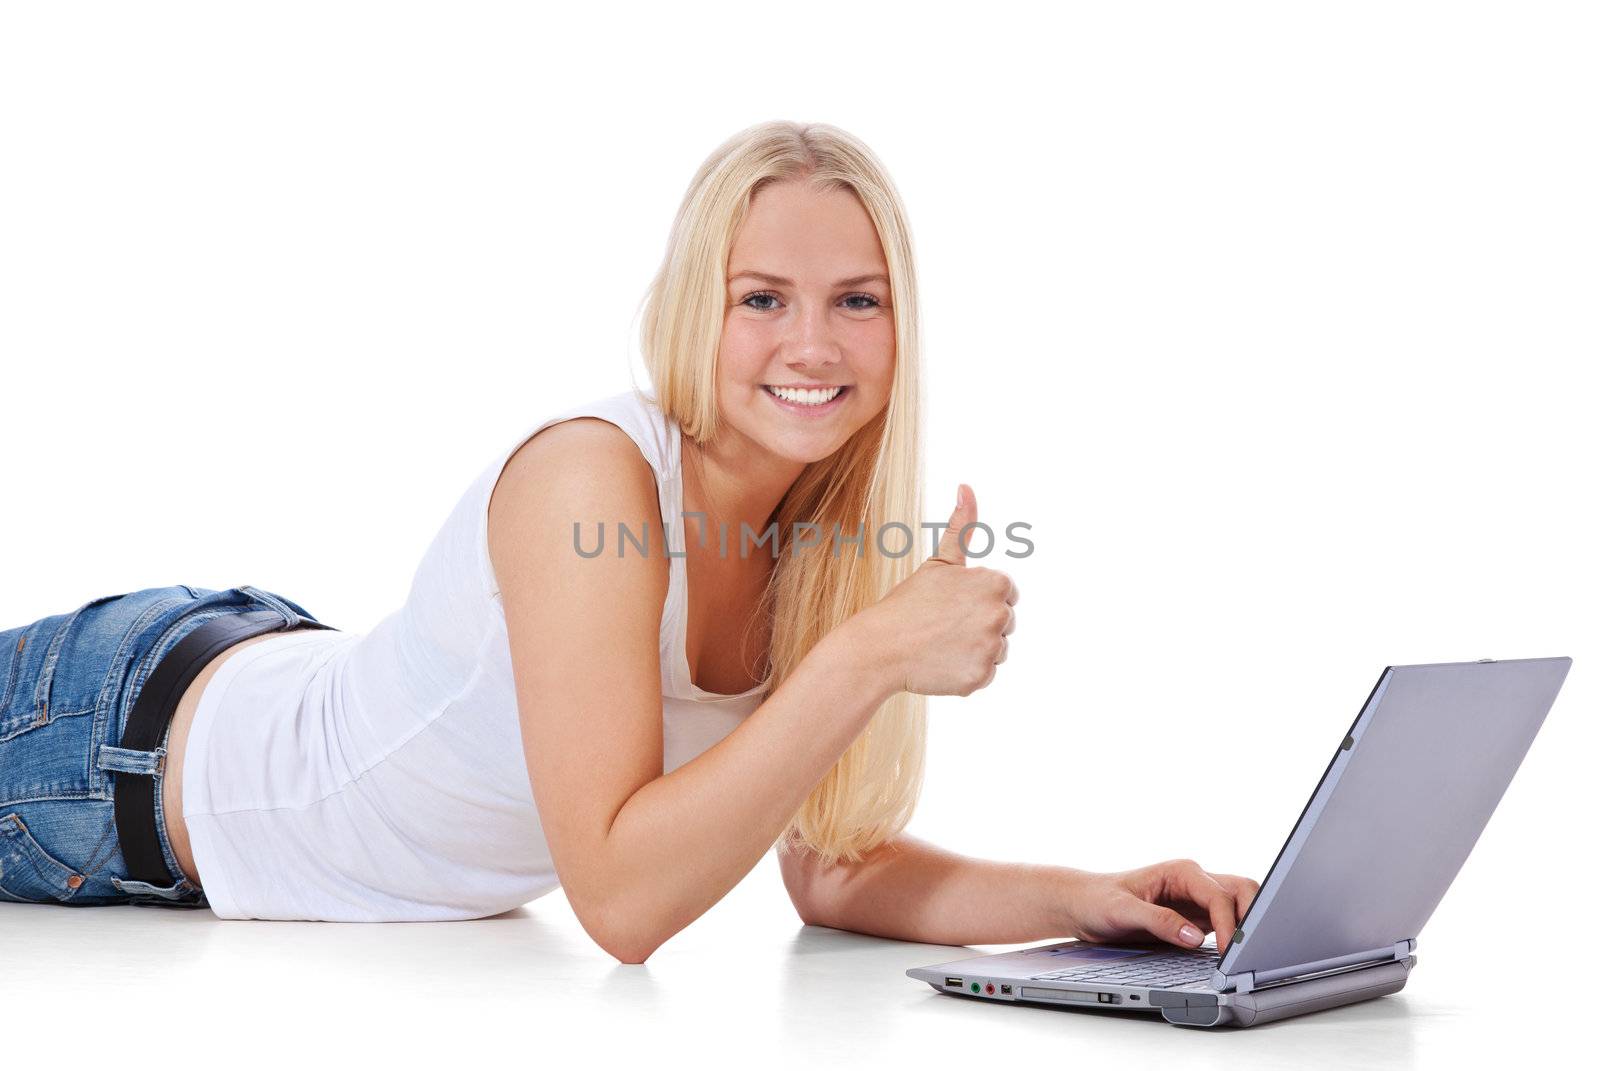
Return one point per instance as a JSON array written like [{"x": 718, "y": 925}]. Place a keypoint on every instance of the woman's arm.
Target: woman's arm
[
  {"x": 911, "y": 890},
  {"x": 641, "y": 854}
]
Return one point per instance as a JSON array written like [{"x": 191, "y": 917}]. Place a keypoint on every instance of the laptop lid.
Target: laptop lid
[{"x": 1397, "y": 811}]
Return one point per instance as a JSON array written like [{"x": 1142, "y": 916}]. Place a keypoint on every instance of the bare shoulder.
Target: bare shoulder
[
  {"x": 585, "y": 470},
  {"x": 586, "y": 473},
  {"x": 582, "y": 451}
]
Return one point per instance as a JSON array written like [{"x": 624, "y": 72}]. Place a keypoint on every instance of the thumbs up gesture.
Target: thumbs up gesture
[
  {"x": 946, "y": 624},
  {"x": 952, "y": 548}
]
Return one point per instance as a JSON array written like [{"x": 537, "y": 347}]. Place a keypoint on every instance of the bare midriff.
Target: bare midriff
[{"x": 177, "y": 739}]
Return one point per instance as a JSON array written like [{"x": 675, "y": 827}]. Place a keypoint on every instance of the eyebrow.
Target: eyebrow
[{"x": 778, "y": 280}]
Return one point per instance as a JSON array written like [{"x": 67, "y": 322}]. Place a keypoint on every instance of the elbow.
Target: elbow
[
  {"x": 808, "y": 893},
  {"x": 627, "y": 944},
  {"x": 622, "y": 933},
  {"x": 811, "y": 913},
  {"x": 627, "y": 947}
]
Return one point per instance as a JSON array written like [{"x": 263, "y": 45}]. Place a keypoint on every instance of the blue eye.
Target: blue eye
[{"x": 767, "y": 295}]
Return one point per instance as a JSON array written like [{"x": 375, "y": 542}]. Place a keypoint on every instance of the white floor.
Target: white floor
[{"x": 745, "y": 983}]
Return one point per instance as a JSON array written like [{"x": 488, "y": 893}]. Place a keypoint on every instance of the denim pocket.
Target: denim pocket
[
  {"x": 64, "y": 678},
  {"x": 27, "y": 871},
  {"x": 22, "y": 657},
  {"x": 91, "y": 653},
  {"x": 60, "y": 664}
]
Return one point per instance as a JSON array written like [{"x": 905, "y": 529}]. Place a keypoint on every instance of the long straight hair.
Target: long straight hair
[{"x": 873, "y": 480}]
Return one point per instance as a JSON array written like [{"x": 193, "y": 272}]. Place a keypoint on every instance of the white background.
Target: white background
[{"x": 1276, "y": 322}]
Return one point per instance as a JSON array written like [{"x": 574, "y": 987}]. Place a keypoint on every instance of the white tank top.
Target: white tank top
[{"x": 380, "y": 776}]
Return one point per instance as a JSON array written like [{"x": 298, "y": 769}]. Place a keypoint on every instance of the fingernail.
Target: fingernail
[{"x": 1192, "y": 935}]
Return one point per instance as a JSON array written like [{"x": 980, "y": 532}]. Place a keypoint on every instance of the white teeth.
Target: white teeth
[{"x": 806, "y": 397}]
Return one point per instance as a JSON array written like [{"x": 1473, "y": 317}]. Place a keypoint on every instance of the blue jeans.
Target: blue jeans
[{"x": 67, "y": 683}]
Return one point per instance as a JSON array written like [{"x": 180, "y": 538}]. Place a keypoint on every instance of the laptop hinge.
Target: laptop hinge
[{"x": 1248, "y": 981}]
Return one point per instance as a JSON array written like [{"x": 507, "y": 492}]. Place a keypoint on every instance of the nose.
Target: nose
[{"x": 809, "y": 341}]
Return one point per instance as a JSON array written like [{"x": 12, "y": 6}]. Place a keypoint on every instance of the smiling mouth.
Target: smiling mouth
[{"x": 815, "y": 397}]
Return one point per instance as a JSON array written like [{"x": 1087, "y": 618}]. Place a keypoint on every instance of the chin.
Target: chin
[{"x": 801, "y": 450}]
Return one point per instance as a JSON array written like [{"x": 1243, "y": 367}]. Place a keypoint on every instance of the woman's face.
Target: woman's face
[{"x": 808, "y": 310}]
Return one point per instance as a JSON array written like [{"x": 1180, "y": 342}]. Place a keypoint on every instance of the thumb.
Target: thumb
[
  {"x": 1162, "y": 922},
  {"x": 965, "y": 513}
]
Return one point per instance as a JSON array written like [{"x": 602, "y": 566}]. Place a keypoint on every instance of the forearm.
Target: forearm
[
  {"x": 911, "y": 890},
  {"x": 683, "y": 840}
]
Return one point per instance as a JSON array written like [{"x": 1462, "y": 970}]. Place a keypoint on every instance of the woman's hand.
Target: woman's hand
[
  {"x": 946, "y": 624},
  {"x": 1175, "y": 901}
]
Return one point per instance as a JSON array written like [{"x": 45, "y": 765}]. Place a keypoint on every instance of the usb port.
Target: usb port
[
  {"x": 1005, "y": 989},
  {"x": 953, "y": 981}
]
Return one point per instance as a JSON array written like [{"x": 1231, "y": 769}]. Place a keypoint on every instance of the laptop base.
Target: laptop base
[
  {"x": 1194, "y": 1005},
  {"x": 1190, "y": 1008}
]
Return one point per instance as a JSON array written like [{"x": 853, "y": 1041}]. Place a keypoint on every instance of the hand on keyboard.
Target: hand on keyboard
[{"x": 1175, "y": 901}]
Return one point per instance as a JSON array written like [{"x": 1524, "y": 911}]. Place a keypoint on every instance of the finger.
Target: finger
[
  {"x": 1200, "y": 887},
  {"x": 1004, "y": 644},
  {"x": 1011, "y": 595},
  {"x": 1162, "y": 922},
  {"x": 1243, "y": 889},
  {"x": 965, "y": 513},
  {"x": 1193, "y": 912},
  {"x": 1011, "y": 624}
]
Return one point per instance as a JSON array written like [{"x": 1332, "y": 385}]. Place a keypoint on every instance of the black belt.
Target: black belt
[{"x": 134, "y": 794}]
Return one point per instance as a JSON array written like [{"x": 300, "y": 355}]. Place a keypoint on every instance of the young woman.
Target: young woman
[{"x": 660, "y": 633}]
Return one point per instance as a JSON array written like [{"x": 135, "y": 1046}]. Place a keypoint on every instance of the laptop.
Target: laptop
[{"x": 1399, "y": 807}]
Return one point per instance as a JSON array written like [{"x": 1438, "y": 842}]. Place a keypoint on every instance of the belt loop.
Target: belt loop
[
  {"x": 180, "y": 892},
  {"x": 129, "y": 761},
  {"x": 290, "y": 618}
]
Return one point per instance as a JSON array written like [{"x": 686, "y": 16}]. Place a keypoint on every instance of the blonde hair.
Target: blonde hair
[{"x": 875, "y": 479}]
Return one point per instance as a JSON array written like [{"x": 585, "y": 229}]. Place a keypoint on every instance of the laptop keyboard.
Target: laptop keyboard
[{"x": 1162, "y": 970}]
